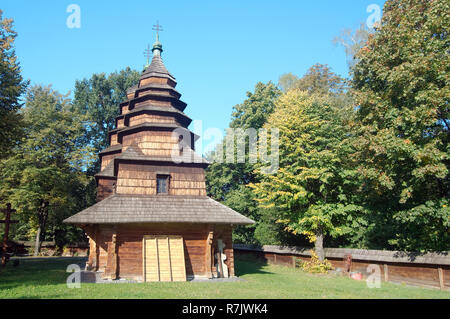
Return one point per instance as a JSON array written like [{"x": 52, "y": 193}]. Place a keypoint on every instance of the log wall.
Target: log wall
[
  {"x": 151, "y": 118},
  {"x": 156, "y": 80},
  {"x": 129, "y": 246},
  {"x": 141, "y": 179},
  {"x": 161, "y": 137},
  {"x": 155, "y": 101},
  {"x": 106, "y": 159},
  {"x": 105, "y": 188},
  {"x": 158, "y": 91},
  {"x": 124, "y": 109},
  {"x": 113, "y": 139}
]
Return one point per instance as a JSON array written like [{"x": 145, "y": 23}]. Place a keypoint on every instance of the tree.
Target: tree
[
  {"x": 226, "y": 181},
  {"x": 309, "y": 194},
  {"x": 318, "y": 79},
  {"x": 44, "y": 178},
  {"x": 12, "y": 87},
  {"x": 402, "y": 86},
  {"x": 287, "y": 81},
  {"x": 352, "y": 41},
  {"x": 99, "y": 98}
]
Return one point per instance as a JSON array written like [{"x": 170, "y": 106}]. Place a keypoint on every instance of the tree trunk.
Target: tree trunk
[
  {"x": 318, "y": 246},
  {"x": 37, "y": 245},
  {"x": 42, "y": 217}
]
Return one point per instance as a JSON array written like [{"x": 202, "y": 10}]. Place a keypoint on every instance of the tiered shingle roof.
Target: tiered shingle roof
[
  {"x": 126, "y": 208},
  {"x": 120, "y": 208}
]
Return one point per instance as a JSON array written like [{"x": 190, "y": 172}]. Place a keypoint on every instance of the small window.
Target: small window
[{"x": 162, "y": 184}]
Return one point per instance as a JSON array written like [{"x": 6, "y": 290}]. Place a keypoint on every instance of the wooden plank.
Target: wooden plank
[
  {"x": 164, "y": 258},
  {"x": 111, "y": 258},
  {"x": 441, "y": 278},
  {"x": 93, "y": 249},
  {"x": 386, "y": 272},
  {"x": 151, "y": 265},
  {"x": 178, "y": 266},
  {"x": 208, "y": 254}
]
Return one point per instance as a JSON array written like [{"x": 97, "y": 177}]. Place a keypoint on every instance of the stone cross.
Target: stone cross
[{"x": 221, "y": 260}]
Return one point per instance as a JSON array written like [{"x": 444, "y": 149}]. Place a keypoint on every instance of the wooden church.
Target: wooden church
[{"x": 152, "y": 220}]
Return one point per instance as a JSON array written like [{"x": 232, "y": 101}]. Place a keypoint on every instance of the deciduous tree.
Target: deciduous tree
[
  {"x": 12, "y": 86},
  {"x": 309, "y": 193},
  {"x": 44, "y": 179},
  {"x": 402, "y": 86}
]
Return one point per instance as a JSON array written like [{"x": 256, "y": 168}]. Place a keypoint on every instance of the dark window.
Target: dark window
[{"x": 162, "y": 184}]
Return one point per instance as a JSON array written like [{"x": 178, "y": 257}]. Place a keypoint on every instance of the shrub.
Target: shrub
[{"x": 315, "y": 266}]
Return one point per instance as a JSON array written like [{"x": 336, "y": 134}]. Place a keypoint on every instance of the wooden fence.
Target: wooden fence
[
  {"x": 427, "y": 270},
  {"x": 48, "y": 248}
]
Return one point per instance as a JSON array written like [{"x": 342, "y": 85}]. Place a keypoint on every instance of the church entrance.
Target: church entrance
[{"x": 163, "y": 258}]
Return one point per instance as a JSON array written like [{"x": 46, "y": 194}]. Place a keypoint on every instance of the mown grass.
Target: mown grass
[{"x": 46, "y": 278}]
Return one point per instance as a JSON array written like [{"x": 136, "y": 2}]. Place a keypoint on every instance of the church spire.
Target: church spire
[
  {"x": 157, "y": 46},
  {"x": 156, "y": 67}
]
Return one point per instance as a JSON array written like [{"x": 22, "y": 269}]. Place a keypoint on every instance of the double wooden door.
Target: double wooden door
[{"x": 164, "y": 258}]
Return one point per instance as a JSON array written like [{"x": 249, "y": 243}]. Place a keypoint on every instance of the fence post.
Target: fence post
[{"x": 441, "y": 277}]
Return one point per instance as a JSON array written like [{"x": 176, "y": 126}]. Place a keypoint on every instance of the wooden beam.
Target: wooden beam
[
  {"x": 111, "y": 263},
  {"x": 114, "y": 257},
  {"x": 441, "y": 278},
  {"x": 91, "y": 232},
  {"x": 386, "y": 272},
  {"x": 208, "y": 254}
]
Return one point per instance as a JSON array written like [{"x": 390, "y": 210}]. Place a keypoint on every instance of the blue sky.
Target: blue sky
[{"x": 216, "y": 50}]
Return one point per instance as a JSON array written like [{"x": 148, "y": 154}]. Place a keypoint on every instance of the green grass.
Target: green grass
[{"x": 47, "y": 279}]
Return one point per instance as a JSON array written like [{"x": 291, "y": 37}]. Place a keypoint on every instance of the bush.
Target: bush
[{"x": 315, "y": 266}]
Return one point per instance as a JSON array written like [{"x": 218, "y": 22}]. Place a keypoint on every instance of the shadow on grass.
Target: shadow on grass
[
  {"x": 52, "y": 271},
  {"x": 37, "y": 272},
  {"x": 245, "y": 265}
]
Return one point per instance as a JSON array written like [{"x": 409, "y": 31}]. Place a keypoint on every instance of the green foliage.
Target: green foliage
[
  {"x": 353, "y": 41},
  {"x": 226, "y": 181},
  {"x": 46, "y": 165},
  {"x": 318, "y": 79},
  {"x": 310, "y": 189},
  {"x": 402, "y": 86},
  {"x": 12, "y": 87},
  {"x": 256, "y": 108},
  {"x": 99, "y": 98}
]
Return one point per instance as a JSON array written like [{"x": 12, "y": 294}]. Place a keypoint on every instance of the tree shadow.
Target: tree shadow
[
  {"x": 38, "y": 271},
  {"x": 245, "y": 264},
  {"x": 412, "y": 256}
]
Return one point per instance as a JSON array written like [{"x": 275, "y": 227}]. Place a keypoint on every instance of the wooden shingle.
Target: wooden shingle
[{"x": 124, "y": 208}]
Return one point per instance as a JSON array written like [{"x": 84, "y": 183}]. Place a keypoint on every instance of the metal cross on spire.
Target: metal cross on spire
[
  {"x": 148, "y": 53},
  {"x": 157, "y": 27}
]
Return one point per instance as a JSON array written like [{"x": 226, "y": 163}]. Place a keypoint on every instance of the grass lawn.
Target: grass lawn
[{"x": 46, "y": 278}]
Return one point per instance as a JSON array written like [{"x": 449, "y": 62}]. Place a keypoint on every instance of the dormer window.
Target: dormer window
[{"x": 162, "y": 184}]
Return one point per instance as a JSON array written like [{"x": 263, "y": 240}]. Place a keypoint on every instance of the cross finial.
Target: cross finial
[
  {"x": 148, "y": 54},
  {"x": 157, "y": 27}
]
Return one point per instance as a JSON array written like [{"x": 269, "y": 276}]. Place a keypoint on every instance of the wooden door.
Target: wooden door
[{"x": 164, "y": 258}]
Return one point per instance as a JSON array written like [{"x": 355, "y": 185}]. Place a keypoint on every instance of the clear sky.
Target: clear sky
[{"x": 217, "y": 50}]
